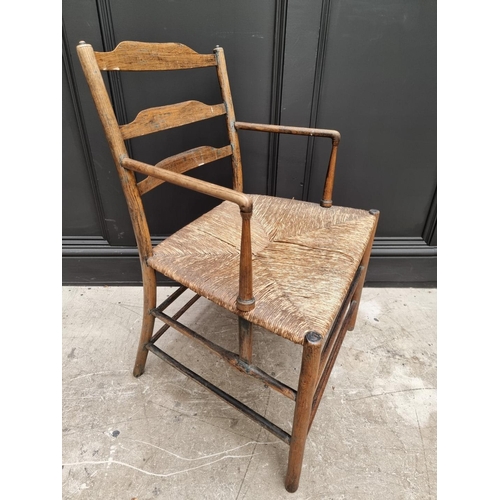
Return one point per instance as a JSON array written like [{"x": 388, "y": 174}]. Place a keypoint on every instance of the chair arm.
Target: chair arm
[
  {"x": 221, "y": 192},
  {"x": 326, "y": 200},
  {"x": 246, "y": 300},
  {"x": 285, "y": 129}
]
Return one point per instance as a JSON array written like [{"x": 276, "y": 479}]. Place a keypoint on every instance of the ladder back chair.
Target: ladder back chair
[{"x": 295, "y": 268}]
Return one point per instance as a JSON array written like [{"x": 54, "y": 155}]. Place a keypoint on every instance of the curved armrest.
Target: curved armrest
[
  {"x": 221, "y": 192},
  {"x": 285, "y": 129},
  {"x": 246, "y": 300},
  {"x": 326, "y": 200}
]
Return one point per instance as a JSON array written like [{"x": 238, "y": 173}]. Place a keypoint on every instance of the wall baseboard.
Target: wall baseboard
[{"x": 402, "y": 262}]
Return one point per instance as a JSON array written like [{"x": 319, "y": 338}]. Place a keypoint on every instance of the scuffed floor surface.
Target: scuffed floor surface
[{"x": 162, "y": 436}]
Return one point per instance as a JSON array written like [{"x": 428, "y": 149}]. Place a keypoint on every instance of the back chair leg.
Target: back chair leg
[
  {"x": 148, "y": 320},
  {"x": 308, "y": 380},
  {"x": 364, "y": 262}
]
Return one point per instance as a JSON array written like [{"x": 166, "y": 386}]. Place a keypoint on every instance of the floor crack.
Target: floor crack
[
  {"x": 394, "y": 392},
  {"x": 253, "y": 451},
  {"x": 425, "y": 457}
]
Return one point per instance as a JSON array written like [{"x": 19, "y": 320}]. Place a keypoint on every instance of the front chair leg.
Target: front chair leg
[
  {"x": 308, "y": 379},
  {"x": 245, "y": 339},
  {"x": 148, "y": 320}
]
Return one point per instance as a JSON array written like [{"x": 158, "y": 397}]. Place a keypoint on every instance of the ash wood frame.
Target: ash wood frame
[{"x": 319, "y": 354}]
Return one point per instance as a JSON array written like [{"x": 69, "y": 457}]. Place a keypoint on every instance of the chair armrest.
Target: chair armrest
[
  {"x": 221, "y": 192},
  {"x": 246, "y": 300},
  {"x": 285, "y": 129},
  {"x": 326, "y": 200}
]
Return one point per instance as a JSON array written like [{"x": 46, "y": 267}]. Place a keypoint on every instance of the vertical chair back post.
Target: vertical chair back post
[
  {"x": 132, "y": 195},
  {"x": 117, "y": 146},
  {"x": 233, "y": 134},
  {"x": 246, "y": 300}
]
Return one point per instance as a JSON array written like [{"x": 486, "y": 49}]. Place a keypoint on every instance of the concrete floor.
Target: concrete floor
[{"x": 162, "y": 436}]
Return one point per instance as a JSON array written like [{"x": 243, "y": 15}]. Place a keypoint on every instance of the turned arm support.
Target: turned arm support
[
  {"x": 246, "y": 300},
  {"x": 326, "y": 200}
]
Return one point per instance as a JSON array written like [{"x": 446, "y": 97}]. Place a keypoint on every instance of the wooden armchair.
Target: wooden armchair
[{"x": 295, "y": 268}]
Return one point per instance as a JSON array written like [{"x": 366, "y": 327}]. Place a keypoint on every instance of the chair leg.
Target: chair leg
[
  {"x": 245, "y": 339},
  {"x": 364, "y": 262},
  {"x": 308, "y": 380},
  {"x": 148, "y": 320}
]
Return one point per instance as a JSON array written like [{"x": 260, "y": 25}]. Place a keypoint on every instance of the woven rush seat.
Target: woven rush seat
[{"x": 299, "y": 250}]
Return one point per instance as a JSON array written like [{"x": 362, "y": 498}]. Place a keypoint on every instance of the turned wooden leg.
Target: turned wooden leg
[
  {"x": 308, "y": 379},
  {"x": 245, "y": 339},
  {"x": 148, "y": 321},
  {"x": 364, "y": 262}
]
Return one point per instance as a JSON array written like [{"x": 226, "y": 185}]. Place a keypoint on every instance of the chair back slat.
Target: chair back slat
[
  {"x": 183, "y": 162},
  {"x": 142, "y": 56},
  {"x": 166, "y": 117}
]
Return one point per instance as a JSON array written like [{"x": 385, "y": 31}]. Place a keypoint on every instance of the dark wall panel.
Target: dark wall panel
[
  {"x": 246, "y": 32},
  {"x": 364, "y": 67},
  {"x": 301, "y": 44},
  {"x": 379, "y": 91},
  {"x": 79, "y": 214}
]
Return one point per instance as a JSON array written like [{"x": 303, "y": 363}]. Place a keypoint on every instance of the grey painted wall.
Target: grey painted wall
[{"x": 364, "y": 67}]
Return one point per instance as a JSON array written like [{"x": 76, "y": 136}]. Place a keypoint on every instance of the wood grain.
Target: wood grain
[
  {"x": 221, "y": 192},
  {"x": 334, "y": 135},
  {"x": 109, "y": 122},
  {"x": 246, "y": 300},
  {"x": 141, "y": 56},
  {"x": 308, "y": 379},
  {"x": 285, "y": 129},
  {"x": 228, "y": 101},
  {"x": 161, "y": 118},
  {"x": 183, "y": 162}
]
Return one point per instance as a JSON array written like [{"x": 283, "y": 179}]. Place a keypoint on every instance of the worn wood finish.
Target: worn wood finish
[
  {"x": 246, "y": 300},
  {"x": 117, "y": 146},
  {"x": 183, "y": 162},
  {"x": 334, "y": 135},
  {"x": 161, "y": 118},
  {"x": 141, "y": 56},
  {"x": 221, "y": 192},
  {"x": 132, "y": 195},
  {"x": 245, "y": 339},
  {"x": 148, "y": 321},
  {"x": 285, "y": 129},
  {"x": 326, "y": 200},
  {"x": 308, "y": 379},
  {"x": 228, "y": 101}
]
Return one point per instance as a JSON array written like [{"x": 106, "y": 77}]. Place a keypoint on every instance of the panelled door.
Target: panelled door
[{"x": 364, "y": 67}]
